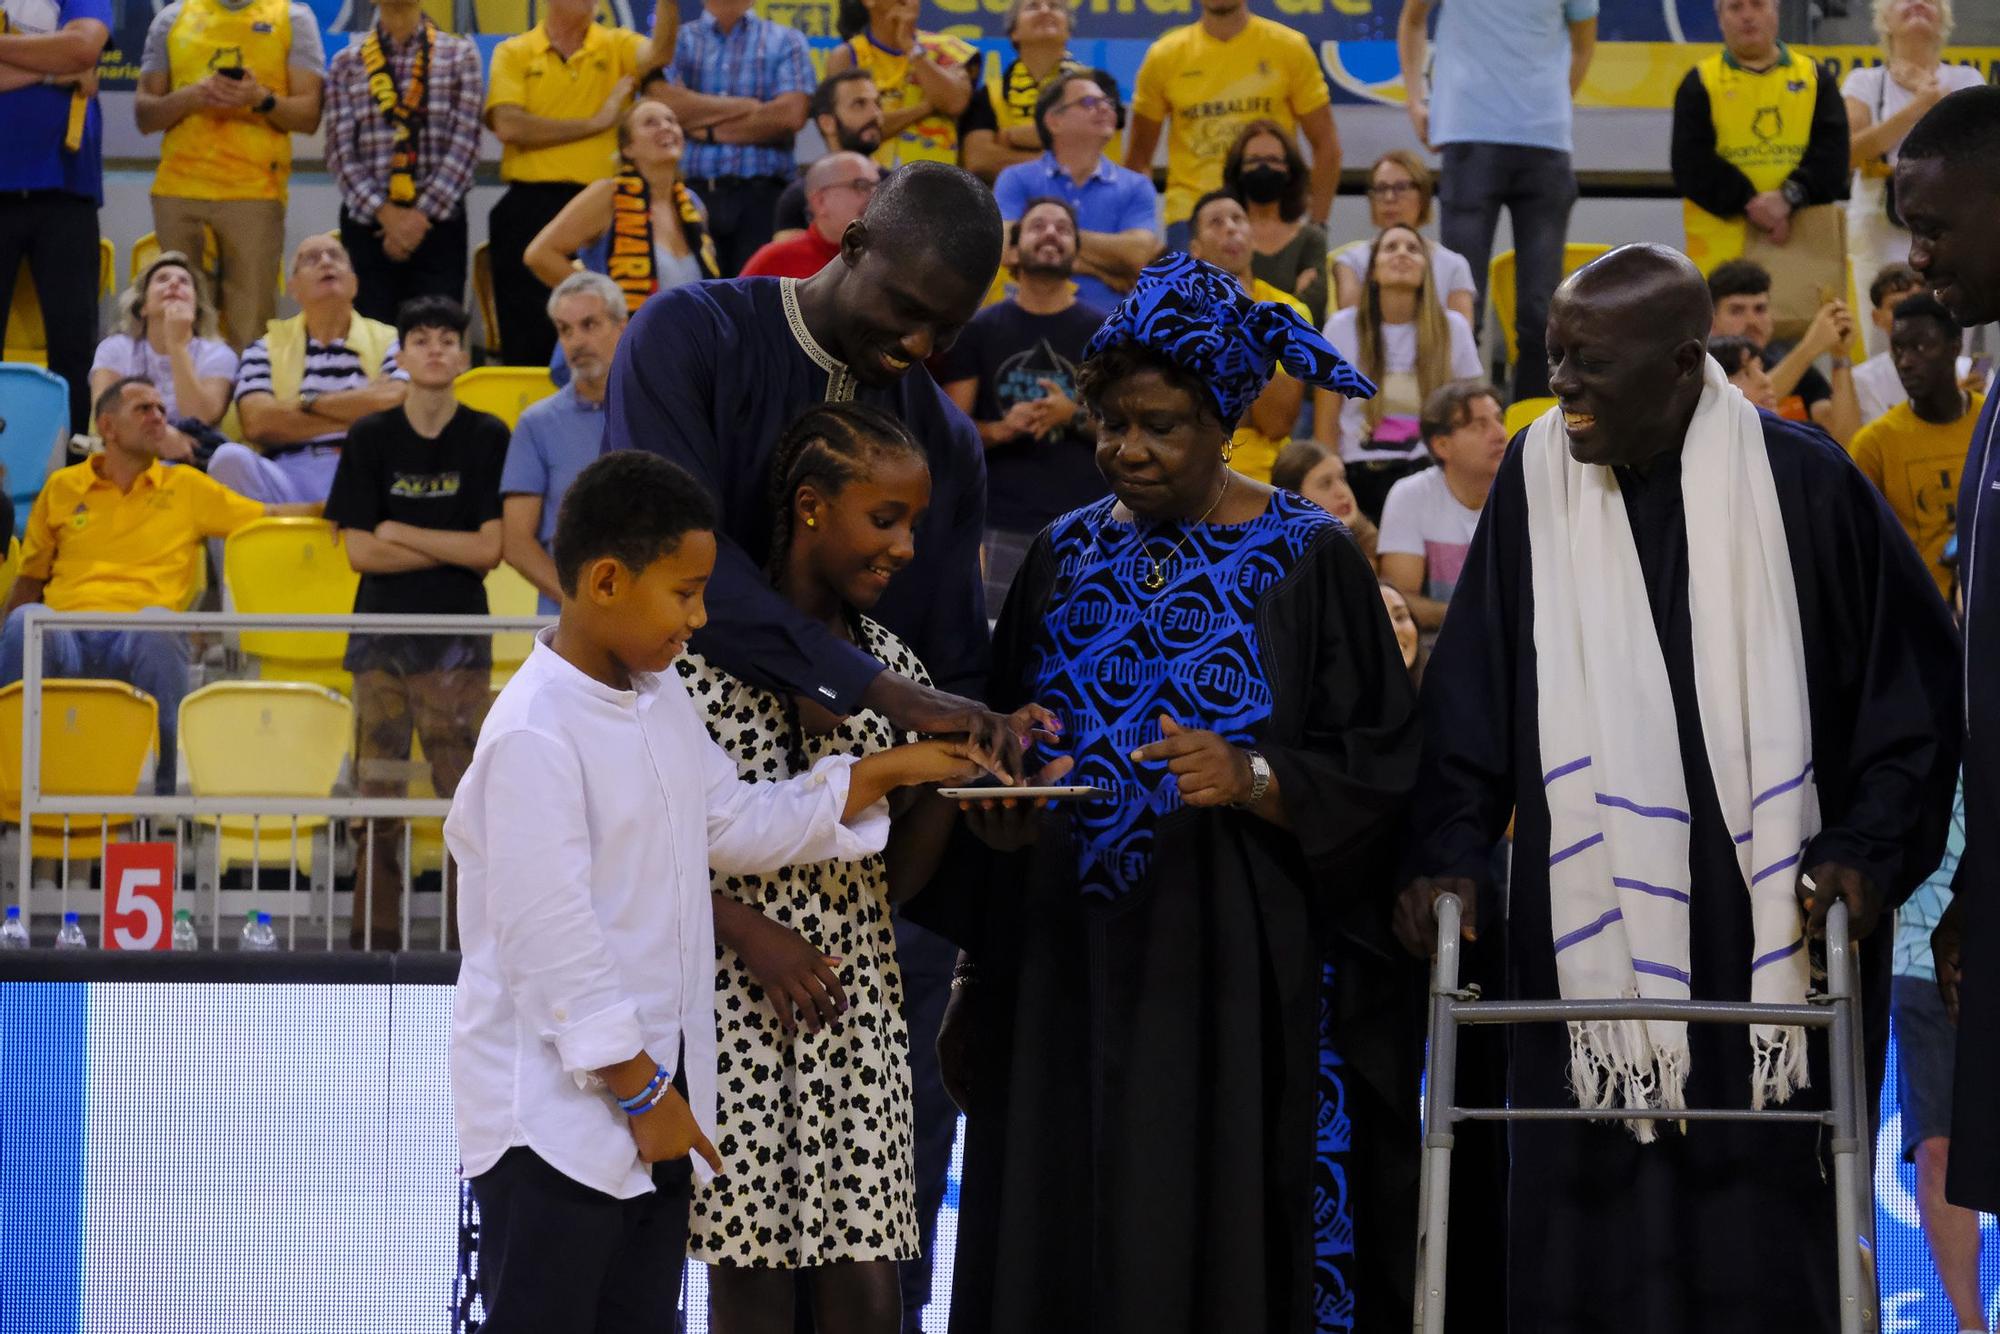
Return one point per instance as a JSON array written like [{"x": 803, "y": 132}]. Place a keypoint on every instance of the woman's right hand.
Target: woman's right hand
[
  {"x": 1008, "y": 824},
  {"x": 177, "y": 318}
]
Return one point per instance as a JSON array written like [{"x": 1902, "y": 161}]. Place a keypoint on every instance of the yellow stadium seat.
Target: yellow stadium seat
[
  {"x": 508, "y": 593},
  {"x": 266, "y": 739},
  {"x": 1500, "y": 283},
  {"x": 27, "y": 339},
  {"x": 96, "y": 736},
  {"x": 504, "y": 391},
  {"x": 292, "y": 565},
  {"x": 1525, "y": 411},
  {"x": 482, "y": 284}
]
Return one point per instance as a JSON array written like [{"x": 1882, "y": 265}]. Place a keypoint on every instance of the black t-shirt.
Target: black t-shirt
[
  {"x": 1812, "y": 386},
  {"x": 388, "y": 471},
  {"x": 1009, "y": 351}
]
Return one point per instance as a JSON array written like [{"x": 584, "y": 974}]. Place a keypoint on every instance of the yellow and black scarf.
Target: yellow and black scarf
[
  {"x": 79, "y": 105},
  {"x": 629, "y": 258},
  {"x": 1015, "y": 92},
  {"x": 404, "y": 111}
]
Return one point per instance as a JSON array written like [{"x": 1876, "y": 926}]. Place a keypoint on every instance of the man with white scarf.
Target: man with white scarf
[{"x": 1698, "y": 660}]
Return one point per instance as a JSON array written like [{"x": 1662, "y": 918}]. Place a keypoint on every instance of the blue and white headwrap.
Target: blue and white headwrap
[{"x": 1200, "y": 319}]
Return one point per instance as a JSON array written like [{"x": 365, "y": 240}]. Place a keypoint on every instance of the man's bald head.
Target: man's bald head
[
  {"x": 1628, "y": 346},
  {"x": 837, "y": 189},
  {"x": 835, "y": 167},
  {"x": 1656, "y": 284}
]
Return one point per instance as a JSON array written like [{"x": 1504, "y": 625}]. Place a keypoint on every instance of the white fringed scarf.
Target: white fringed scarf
[{"x": 1619, "y": 819}]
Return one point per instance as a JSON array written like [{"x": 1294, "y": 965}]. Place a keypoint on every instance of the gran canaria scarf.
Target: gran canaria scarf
[
  {"x": 630, "y": 260},
  {"x": 404, "y": 111}
]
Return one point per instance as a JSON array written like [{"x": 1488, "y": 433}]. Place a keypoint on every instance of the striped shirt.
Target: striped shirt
[
  {"x": 330, "y": 368},
  {"x": 757, "y": 58}
]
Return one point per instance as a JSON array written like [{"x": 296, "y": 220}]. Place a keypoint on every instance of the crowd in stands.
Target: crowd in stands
[{"x": 638, "y": 168}]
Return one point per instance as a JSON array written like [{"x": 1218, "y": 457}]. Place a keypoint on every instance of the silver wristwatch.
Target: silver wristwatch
[{"x": 1260, "y": 780}]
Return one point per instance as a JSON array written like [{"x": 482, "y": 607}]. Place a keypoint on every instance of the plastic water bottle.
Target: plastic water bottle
[
  {"x": 184, "y": 936},
  {"x": 257, "y": 933},
  {"x": 13, "y": 932},
  {"x": 71, "y": 935}
]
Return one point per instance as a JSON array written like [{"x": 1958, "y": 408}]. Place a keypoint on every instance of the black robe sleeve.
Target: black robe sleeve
[
  {"x": 1700, "y": 173},
  {"x": 1886, "y": 699},
  {"x": 1823, "y": 172},
  {"x": 1467, "y": 792}
]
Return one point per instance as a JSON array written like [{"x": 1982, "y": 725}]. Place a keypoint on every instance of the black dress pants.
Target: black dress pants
[
  {"x": 520, "y": 299},
  {"x": 556, "y": 1255},
  {"x": 436, "y": 268},
  {"x": 56, "y": 232}
]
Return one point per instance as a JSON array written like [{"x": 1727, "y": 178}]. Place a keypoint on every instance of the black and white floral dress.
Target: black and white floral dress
[{"x": 815, "y": 1127}]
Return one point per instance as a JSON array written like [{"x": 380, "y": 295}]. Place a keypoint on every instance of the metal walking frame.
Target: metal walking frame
[{"x": 1837, "y": 1009}]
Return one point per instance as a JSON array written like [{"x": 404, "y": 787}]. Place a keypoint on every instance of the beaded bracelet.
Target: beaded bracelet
[
  {"x": 646, "y": 1096},
  {"x": 655, "y": 1100}
]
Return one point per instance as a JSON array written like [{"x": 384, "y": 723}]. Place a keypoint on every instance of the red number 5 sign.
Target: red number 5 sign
[{"x": 138, "y": 895}]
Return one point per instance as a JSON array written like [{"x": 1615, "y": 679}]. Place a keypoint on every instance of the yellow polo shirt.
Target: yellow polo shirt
[
  {"x": 1915, "y": 464},
  {"x": 1212, "y": 89},
  {"x": 102, "y": 549},
  {"x": 1255, "y": 451},
  {"x": 527, "y": 73}
]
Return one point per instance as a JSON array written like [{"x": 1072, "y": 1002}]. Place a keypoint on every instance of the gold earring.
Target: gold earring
[
  {"x": 1228, "y": 450},
  {"x": 811, "y": 522}
]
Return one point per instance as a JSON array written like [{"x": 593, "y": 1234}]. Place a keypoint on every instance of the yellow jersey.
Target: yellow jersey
[
  {"x": 935, "y": 137},
  {"x": 1212, "y": 89},
  {"x": 1762, "y": 125},
  {"x": 1915, "y": 464},
  {"x": 531, "y": 74},
  {"x": 102, "y": 549},
  {"x": 233, "y": 154},
  {"x": 1255, "y": 452}
]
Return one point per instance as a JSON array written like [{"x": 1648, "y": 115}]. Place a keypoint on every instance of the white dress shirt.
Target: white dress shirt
[{"x": 585, "y": 830}]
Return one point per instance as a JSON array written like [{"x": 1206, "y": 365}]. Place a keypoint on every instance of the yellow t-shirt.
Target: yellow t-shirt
[
  {"x": 234, "y": 154},
  {"x": 527, "y": 73},
  {"x": 1915, "y": 465},
  {"x": 1213, "y": 89},
  {"x": 935, "y": 137},
  {"x": 102, "y": 549},
  {"x": 1255, "y": 452}
]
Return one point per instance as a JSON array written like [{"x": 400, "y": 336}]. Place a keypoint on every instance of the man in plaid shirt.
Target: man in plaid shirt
[
  {"x": 404, "y": 165},
  {"x": 741, "y": 86}
]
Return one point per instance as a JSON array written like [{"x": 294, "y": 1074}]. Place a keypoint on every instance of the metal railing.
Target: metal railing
[
  {"x": 1837, "y": 1010},
  {"x": 188, "y": 812}
]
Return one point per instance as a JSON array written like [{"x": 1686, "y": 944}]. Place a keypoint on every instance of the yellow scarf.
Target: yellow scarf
[
  {"x": 79, "y": 105},
  {"x": 1014, "y": 94},
  {"x": 629, "y": 256},
  {"x": 285, "y": 343},
  {"x": 404, "y": 112}
]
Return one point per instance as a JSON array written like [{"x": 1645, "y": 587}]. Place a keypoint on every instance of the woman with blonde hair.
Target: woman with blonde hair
[
  {"x": 167, "y": 334},
  {"x": 1404, "y": 340},
  {"x": 1883, "y": 102},
  {"x": 1400, "y": 190}
]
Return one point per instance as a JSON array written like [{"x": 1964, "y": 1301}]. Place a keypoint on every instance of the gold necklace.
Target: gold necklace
[{"x": 1155, "y": 577}]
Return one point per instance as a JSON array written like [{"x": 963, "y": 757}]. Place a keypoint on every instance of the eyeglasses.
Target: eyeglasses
[
  {"x": 1278, "y": 161},
  {"x": 1391, "y": 189},
  {"x": 1096, "y": 103},
  {"x": 861, "y": 185}
]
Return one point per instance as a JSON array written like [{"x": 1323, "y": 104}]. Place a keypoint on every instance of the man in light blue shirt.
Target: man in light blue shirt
[
  {"x": 1505, "y": 76},
  {"x": 559, "y": 437},
  {"x": 1117, "y": 209},
  {"x": 741, "y": 86}
]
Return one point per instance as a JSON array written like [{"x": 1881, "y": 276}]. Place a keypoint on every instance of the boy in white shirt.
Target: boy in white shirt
[
  {"x": 583, "y": 1043},
  {"x": 1429, "y": 517}
]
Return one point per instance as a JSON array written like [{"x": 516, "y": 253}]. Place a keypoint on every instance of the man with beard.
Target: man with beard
[
  {"x": 847, "y": 112},
  {"x": 1692, "y": 653},
  {"x": 709, "y": 375},
  {"x": 837, "y": 187},
  {"x": 1014, "y": 374},
  {"x": 1948, "y": 191},
  {"x": 1117, "y": 213}
]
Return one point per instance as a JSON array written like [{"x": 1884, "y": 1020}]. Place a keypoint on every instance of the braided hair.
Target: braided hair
[{"x": 827, "y": 445}]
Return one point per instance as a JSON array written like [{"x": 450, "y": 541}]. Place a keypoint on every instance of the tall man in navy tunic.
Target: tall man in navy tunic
[
  {"x": 708, "y": 375},
  {"x": 1948, "y": 191},
  {"x": 1672, "y": 849}
]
